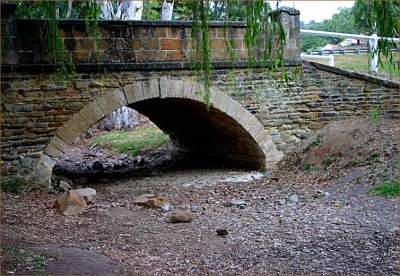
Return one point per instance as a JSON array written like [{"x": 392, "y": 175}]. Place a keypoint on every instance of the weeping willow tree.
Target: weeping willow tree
[{"x": 383, "y": 18}]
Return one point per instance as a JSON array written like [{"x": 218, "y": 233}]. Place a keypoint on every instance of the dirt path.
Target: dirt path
[{"x": 333, "y": 226}]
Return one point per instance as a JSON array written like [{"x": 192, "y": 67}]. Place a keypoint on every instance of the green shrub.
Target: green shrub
[
  {"x": 308, "y": 166},
  {"x": 387, "y": 189},
  {"x": 12, "y": 185},
  {"x": 329, "y": 161}
]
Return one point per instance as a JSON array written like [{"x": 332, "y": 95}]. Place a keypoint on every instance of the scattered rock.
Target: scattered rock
[
  {"x": 195, "y": 208},
  {"x": 123, "y": 156},
  {"x": 274, "y": 178},
  {"x": 294, "y": 198},
  {"x": 394, "y": 230},
  {"x": 70, "y": 203},
  {"x": 64, "y": 185},
  {"x": 236, "y": 202},
  {"x": 180, "y": 217},
  {"x": 166, "y": 207},
  {"x": 222, "y": 232},
  {"x": 117, "y": 166},
  {"x": 151, "y": 201},
  {"x": 210, "y": 200},
  {"x": 89, "y": 195},
  {"x": 97, "y": 166},
  {"x": 281, "y": 201},
  {"x": 320, "y": 193},
  {"x": 81, "y": 181},
  {"x": 139, "y": 161},
  {"x": 88, "y": 134}
]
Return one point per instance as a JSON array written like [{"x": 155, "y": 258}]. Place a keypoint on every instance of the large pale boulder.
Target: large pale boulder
[
  {"x": 70, "y": 203},
  {"x": 151, "y": 201},
  {"x": 89, "y": 195},
  {"x": 180, "y": 216}
]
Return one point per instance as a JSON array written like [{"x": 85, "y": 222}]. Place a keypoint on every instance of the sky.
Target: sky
[{"x": 316, "y": 10}]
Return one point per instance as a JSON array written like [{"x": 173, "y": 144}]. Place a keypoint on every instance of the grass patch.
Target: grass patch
[
  {"x": 308, "y": 166},
  {"x": 387, "y": 189},
  {"x": 12, "y": 185},
  {"x": 360, "y": 62},
  {"x": 24, "y": 259},
  {"x": 329, "y": 161},
  {"x": 130, "y": 142}
]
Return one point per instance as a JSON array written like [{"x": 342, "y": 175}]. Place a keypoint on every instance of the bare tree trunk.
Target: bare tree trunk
[
  {"x": 69, "y": 8},
  {"x": 167, "y": 10},
  {"x": 124, "y": 117},
  {"x": 130, "y": 10},
  {"x": 107, "y": 10}
]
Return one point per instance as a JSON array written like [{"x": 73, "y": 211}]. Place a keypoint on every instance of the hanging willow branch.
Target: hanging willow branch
[
  {"x": 200, "y": 60},
  {"x": 54, "y": 43},
  {"x": 265, "y": 40},
  {"x": 381, "y": 17}
]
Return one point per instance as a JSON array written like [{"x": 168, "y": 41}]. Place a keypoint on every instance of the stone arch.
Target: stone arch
[{"x": 254, "y": 146}]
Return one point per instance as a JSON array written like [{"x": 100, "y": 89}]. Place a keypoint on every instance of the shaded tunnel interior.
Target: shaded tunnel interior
[{"x": 209, "y": 136}]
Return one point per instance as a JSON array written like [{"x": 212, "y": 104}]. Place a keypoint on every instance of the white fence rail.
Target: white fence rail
[{"x": 373, "y": 42}]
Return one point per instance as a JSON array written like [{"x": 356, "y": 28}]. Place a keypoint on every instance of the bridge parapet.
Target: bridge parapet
[{"x": 137, "y": 42}]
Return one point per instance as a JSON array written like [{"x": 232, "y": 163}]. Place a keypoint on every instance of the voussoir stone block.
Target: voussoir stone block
[
  {"x": 59, "y": 143},
  {"x": 261, "y": 136},
  {"x": 226, "y": 104},
  {"x": 233, "y": 108},
  {"x": 151, "y": 89},
  {"x": 175, "y": 88},
  {"x": 104, "y": 105},
  {"x": 64, "y": 134},
  {"x": 133, "y": 92},
  {"x": 52, "y": 151},
  {"x": 197, "y": 92},
  {"x": 164, "y": 87},
  {"x": 80, "y": 122},
  {"x": 250, "y": 123},
  {"x": 116, "y": 99},
  {"x": 187, "y": 90},
  {"x": 257, "y": 128},
  {"x": 72, "y": 128},
  {"x": 244, "y": 118},
  {"x": 96, "y": 110},
  {"x": 218, "y": 100}
]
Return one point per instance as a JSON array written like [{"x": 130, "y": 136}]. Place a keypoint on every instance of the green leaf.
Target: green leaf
[{"x": 283, "y": 33}]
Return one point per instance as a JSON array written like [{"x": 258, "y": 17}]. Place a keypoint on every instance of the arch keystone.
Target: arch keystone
[{"x": 151, "y": 88}]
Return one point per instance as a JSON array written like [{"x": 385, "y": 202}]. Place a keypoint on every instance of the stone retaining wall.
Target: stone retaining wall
[{"x": 317, "y": 96}]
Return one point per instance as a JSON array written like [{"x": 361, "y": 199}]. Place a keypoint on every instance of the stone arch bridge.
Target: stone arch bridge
[{"x": 253, "y": 120}]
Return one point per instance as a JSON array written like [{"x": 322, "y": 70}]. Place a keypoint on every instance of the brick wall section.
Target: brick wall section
[
  {"x": 34, "y": 107},
  {"x": 129, "y": 42},
  {"x": 9, "y": 47}
]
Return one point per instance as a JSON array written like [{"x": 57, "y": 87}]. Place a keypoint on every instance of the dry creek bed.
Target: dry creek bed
[{"x": 340, "y": 229}]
